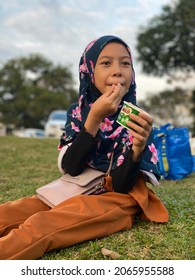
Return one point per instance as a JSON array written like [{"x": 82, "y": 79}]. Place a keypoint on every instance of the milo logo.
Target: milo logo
[
  {"x": 124, "y": 115},
  {"x": 126, "y": 110}
]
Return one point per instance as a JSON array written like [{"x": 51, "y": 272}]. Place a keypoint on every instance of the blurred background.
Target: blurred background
[{"x": 42, "y": 40}]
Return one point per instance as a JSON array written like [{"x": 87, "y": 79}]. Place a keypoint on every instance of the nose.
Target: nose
[{"x": 117, "y": 70}]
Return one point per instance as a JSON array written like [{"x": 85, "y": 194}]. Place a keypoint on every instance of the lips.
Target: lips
[{"x": 116, "y": 83}]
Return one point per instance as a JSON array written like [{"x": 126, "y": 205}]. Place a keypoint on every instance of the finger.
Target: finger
[
  {"x": 110, "y": 91},
  {"x": 116, "y": 95},
  {"x": 146, "y": 117},
  {"x": 143, "y": 120},
  {"x": 138, "y": 137},
  {"x": 119, "y": 89},
  {"x": 138, "y": 131}
]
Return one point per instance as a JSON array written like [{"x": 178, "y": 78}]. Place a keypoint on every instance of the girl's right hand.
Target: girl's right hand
[{"x": 106, "y": 105}]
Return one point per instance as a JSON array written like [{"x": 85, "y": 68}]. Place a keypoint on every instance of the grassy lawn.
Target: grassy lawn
[{"x": 27, "y": 164}]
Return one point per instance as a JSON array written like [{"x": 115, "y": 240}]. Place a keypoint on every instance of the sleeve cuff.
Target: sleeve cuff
[
  {"x": 150, "y": 178},
  {"x": 60, "y": 157}
]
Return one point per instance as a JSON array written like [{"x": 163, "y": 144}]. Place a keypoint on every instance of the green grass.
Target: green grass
[{"x": 27, "y": 164}]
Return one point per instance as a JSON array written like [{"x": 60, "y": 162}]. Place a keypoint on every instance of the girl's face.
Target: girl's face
[{"x": 113, "y": 66}]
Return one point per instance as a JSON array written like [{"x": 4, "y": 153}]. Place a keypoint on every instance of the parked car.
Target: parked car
[
  {"x": 30, "y": 133},
  {"x": 55, "y": 123}
]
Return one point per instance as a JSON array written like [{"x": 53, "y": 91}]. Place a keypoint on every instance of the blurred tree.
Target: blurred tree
[
  {"x": 30, "y": 88},
  {"x": 166, "y": 47},
  {"x": 169, "y": 107},
  {"x": 168, "y": 44}
]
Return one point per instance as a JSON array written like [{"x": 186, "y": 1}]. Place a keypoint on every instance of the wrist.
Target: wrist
[
  {"x": 92, "y": 124},
  {"x": 136, "y": 155}
]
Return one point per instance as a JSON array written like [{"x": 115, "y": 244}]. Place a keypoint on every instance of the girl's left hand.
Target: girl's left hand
[{"x": 140, "y": 132}]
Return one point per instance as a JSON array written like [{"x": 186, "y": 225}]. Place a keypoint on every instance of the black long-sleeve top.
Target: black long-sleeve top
[{"x": 74, "y": 161}]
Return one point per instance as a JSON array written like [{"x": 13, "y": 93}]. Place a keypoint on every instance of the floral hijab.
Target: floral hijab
[{"x": 111, "y": 136}]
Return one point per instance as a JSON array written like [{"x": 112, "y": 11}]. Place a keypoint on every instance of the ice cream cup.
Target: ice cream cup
[{"x": 124, "y": 115}]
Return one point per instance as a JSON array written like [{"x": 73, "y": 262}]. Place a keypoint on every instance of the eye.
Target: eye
[
  {"x": 106, "y": 62},
  {"x": 126, "y": 63}
]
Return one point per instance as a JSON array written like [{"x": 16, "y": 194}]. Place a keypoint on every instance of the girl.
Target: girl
[{"x": 28, "y": 227}]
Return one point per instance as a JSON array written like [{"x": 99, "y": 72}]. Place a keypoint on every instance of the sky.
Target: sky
[{"x": 61, "y": 29}]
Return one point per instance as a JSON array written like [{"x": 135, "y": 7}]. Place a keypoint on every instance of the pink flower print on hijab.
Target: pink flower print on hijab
[
  {"x": 83, "y": 68},
  {"x": 153, "y": 150},
  {"x": 92, "y": 70},
  {"x": 76, "y": 113},
  {"x": 116, "y": 133},
  {"x": 74, "y": 127},
  {"x": 106, "y": 125},
  {"x": 120, "y": 160},
  {"x": 90, "y": 45},
  {"x": 130, "y": 136}
]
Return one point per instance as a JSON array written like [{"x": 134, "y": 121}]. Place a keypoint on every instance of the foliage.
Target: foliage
[
  {"x": 161, "y": 107},
  {"x": 167, "y": 44},
  {"x": 27, "y": 164},
  {"x": 30, "y": 88}
]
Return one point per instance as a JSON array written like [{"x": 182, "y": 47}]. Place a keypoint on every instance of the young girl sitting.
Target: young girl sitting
[{"x": 29, "y": 228}]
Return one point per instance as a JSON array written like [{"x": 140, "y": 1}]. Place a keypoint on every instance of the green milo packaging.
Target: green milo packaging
[{"x": 124, "y": 115}]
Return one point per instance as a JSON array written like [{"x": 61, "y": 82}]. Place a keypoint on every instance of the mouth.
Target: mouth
[{"x": 116, "y": 84}]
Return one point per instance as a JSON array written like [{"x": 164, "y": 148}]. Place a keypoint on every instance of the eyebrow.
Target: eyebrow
[{"x": 110, "y": 57}]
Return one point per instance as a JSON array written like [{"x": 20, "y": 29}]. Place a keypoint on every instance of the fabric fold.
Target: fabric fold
[{"x": 152, "y": 207}]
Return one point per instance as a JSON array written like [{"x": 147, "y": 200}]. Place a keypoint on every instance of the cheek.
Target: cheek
[
  {"x": 95, "y": 78},
  {"x": 128, "y": 82},
  {"x": 96, "y": 83},
  {"x": 98, "y": 80},
  {"x": 129, "y": 79}
]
